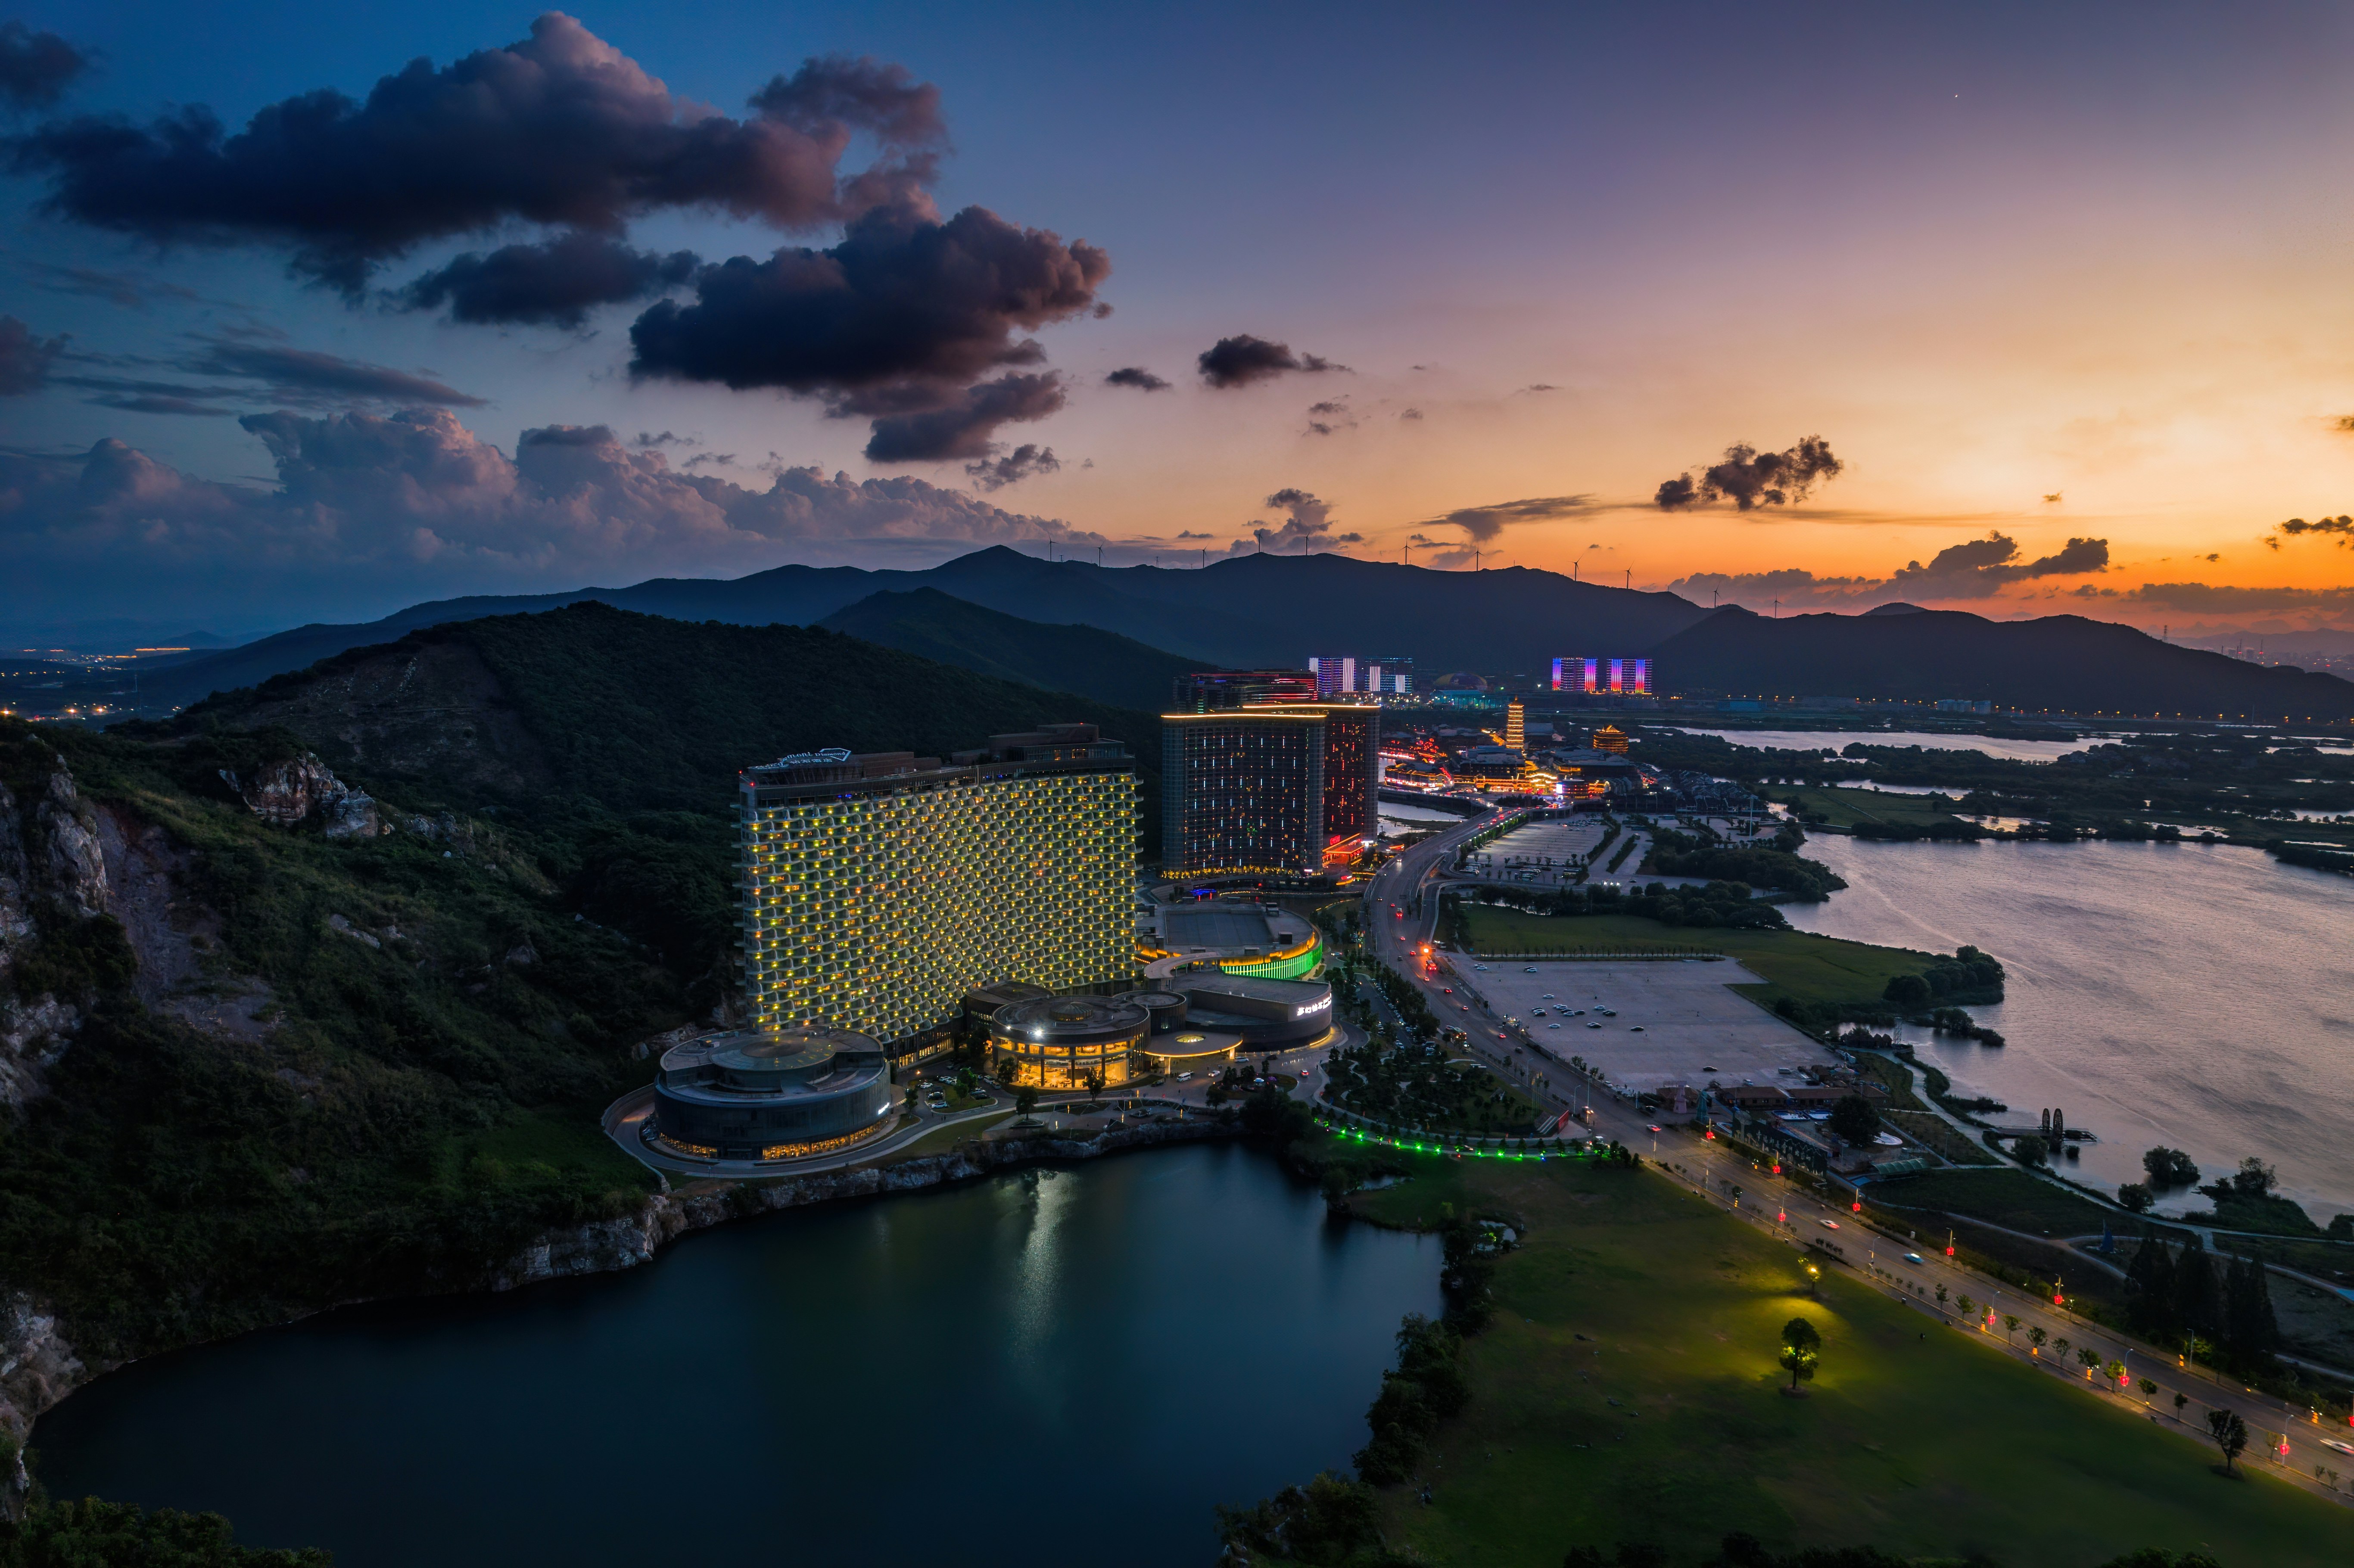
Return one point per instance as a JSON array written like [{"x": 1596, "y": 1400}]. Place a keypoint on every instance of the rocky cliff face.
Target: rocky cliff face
[
  {"x": 15, "y": 883},
  {"x": 287, "y": 793},
  {"x": 634, "y": 1239},
  {"x": 77, "y": 867},
  {"x": 37, "y": 1368}
]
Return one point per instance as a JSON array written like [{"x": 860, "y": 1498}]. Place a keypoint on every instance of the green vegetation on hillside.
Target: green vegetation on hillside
[
  {"x": 312, "y": 1069},
  {"x": 94, "y": 1535},
  {"x": 1102, "y": 665},
  {"x": 1626, "y": 1392}
]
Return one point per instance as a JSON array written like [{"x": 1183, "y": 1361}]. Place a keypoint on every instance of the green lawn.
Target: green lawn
[
  {"x": 1792, "y": 963},
  {"x": 1628, "y": 1290},
  {"x": 2008, "y": 1197},
  {"x": 1845, "y": 808}
]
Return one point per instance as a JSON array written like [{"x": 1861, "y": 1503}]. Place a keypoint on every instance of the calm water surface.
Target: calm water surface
[
  {"x": 2199, "y": 996},
  {"x": 1042, "y": 1369},
  {"x": 1840, "y": 739}
]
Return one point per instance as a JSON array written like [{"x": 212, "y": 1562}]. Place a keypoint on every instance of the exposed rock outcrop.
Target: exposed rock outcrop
[
  {"x": 37, "y": 1367},
  {"x": 634, "y": 1239},
  {"x": 286, "y": 794},
  {"x": 77, "y": 865},
  {"x": 15, "y": 883},
  {"x": 33, "y": 1035}
]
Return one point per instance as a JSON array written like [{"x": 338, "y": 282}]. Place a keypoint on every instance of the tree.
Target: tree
[
  {"x": 2010, "y": 1325},
  {"x": 2029, "y": 1151},
  {"x": 2180, "y": 1401},
  {"x": 1007, "y": 1071},
  {"x": 2036, "y": 1336},
  {"x": 2090, "y": 1356},
  {"x": 2061, "y": 1347},
  {"x": 1802, "y": 1347},
  {"x": 1025, "y": 1099},
  {"x": 2148, "y": 1389},
  {"x": 2230, "y": 1434},
  {"x": 2193, "y": 1308},
  {"x": 2254, "y": 1179},
  {"x": 1854, "y": 1120},
  {"x": 1966, "y": 1307},
  {"x": 1941, "y": 1295},
  {"x": 2169, "y": 1168},
  {"x": 2134, "y": 1197}
]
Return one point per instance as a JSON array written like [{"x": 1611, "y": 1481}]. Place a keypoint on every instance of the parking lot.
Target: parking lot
[{"x": 1676, "y": 1024}]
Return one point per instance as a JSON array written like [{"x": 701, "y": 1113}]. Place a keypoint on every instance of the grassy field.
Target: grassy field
[
  {"x": 2007, "y": 1197},
  {"x": 1928, "y": 1128},
  {"x": 1845, "y": 808},
  {"x": 1628, "y": 1290},
  {"x": 1792, "y": 963}
]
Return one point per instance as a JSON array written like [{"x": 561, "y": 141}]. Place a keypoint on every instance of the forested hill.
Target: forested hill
[
  {"x": 2060, "y": 662},
  {"x": 1101, "y": 664},
  {"x": 249, "y": 1068},
  {"x": 633, "y": 713}
]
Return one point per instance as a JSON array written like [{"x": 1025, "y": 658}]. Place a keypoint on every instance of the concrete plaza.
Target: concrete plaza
[{"x": 1692, "y": 1028}]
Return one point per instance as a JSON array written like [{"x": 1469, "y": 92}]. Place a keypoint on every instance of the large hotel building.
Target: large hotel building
[
  {"x": 1260, "y": 778},
  {"x": 879, "y": 889}
]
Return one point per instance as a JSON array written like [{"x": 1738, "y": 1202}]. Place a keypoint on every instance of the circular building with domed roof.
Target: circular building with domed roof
[{"x": 754, "y": 1096}]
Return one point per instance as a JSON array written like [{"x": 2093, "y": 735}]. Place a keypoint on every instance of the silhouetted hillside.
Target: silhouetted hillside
[
  {"x": 2058, "y": 662},
  {"x": 1082, "y": 659},
  {"x": 1258, "y": 610}
]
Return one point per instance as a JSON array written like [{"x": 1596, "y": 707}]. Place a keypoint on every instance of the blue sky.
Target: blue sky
[{"x": 1992, "y": 254}]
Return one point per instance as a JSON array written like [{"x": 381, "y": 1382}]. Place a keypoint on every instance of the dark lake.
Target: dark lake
[{"x": 1062, "y": 1366}]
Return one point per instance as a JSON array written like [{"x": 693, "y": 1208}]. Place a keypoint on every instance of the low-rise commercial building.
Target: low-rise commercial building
[{"x": 755, "y": 1096}]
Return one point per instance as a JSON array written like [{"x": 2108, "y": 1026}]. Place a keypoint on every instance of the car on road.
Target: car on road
[
  {"x": 1634, "y": 1029},
  {"x": 2334, "y": 1442},
  {"x": 1529, "y": 970},
  {"x": 1831, "y": 1224},
  {"x": 1183, "y": 1077},
  {"x": 1552, "y": 1026},
  {"x": 1594, "y": 1026},
  {"x": 1655, "y": 1129},
  {"x": 1912, "y": 1257},
  {"x": 1482, "y": 967},
  {"x": 1547, "y": 997}
]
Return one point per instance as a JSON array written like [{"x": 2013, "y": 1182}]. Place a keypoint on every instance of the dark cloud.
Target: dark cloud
[
  {"x": 1749, "y": 478},
  {"x": 648, "y": 438},
  {"x": 963, "y": 425},
  {"x": 893, "y": 323},
  {"x": 25, "y": 360},
  {"x": 1136, "y": 375},
  {"x": 1411, "y": 414},
  {"x": 1306, "y": 526},
  {"x": 1332, "y": 415},
  {"x": 1791, "y": 586},
  {"x": 2341, "y": 525},
  {"x": 560, "y": 128},
  {"x": 2205, "y": 599},
  {"x": 367, "y": 506},
  {"x": 1541, "y": 387},
  {"x": 1016, "y": 465},
  {"x": 1482, "y": 524},
  {"x": 716, "y": 459},
  {"x": 158, "y": 403},
  {"x": 554, "y": 283},
  {"x": 1191, "y": 534},
  {"x": 35, "y": 69},
  {"x": 1242, "y": 359},
  {"x": 1979, "y": 568},
  {"x": 301, "y": 374}
]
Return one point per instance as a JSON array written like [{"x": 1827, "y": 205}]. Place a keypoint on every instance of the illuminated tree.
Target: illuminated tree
[{"x": 1802, "y": 1347}]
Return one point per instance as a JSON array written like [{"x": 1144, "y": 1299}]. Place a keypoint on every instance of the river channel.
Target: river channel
[
  {"x": 2192, "y": 995},
  {"x": 1058, "y": 1366}
]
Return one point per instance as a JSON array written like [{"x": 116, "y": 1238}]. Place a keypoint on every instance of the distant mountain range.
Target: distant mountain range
[{"x": 1021, "y": 616}]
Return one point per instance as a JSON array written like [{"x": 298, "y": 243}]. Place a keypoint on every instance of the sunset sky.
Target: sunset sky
[{"x": 2058, "y": 275}]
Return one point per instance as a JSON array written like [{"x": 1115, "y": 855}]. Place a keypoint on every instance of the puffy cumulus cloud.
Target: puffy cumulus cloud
[
  {"x": 556, "y": 283},
  {"x": 25, "y": 360},
  {"x": 1749, "y": 478},
  {"x": 895, "y": 323},
  {"x": 35, "y": 69},
  {"x": 996, "y": 473},
  {"x": 1241, "y": 360},
  {"x": 1307, "y": 525},
  {"x": 1334, "y": 414},
  {"x": 2342, "y": 526},
  {"x": 1482, "y": 524},
  {"x": 368, "y": 505},
  {"x": 1980, "y": 568},
  {"x": 1136, "y": 375},
  {"x": 560, "y": 129}
]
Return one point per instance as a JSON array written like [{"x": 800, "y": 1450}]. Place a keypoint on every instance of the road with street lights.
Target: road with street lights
[{"x": 1400, "y": 917}]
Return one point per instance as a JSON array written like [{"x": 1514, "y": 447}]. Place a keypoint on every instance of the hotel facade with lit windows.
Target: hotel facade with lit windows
[
  {"x": 1269, "y": 787},
  {"x": 879, "y": 889}
]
